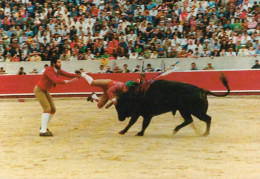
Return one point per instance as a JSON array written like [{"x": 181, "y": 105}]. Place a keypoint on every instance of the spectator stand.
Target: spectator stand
[{"x": 69, "y": 29}]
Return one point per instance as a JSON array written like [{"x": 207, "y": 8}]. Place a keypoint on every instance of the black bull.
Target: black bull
[{"x": 162, "y": 96}]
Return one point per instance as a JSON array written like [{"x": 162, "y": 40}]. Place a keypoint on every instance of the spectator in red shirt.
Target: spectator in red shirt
[
  {"x": 73, "y": 43},
  {"x": 15, "y": 58},
  {"x": 112, "y": 46},
  {"x": 48, "y": 80},
  {"x": 94, "y": 10},
  {"x": 184, "y": 15}
]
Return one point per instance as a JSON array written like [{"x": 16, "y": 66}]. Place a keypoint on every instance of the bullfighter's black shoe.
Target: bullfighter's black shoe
[
  {"x": 46, "y": 134},
  {"x": 90, "y": 98}
]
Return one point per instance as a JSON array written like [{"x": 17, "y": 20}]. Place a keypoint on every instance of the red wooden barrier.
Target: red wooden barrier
[{"x": 244, "y": 81}]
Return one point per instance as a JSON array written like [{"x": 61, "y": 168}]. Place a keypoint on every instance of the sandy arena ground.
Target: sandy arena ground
[{"x": 87, "y": 144}]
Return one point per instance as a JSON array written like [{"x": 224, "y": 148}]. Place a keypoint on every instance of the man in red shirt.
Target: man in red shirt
[
  {"x": 111, "y": 89},
  {"x": 48, "y": 80}
]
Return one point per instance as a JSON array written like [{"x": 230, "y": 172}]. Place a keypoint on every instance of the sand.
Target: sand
[{"x": 86, "y": 143}]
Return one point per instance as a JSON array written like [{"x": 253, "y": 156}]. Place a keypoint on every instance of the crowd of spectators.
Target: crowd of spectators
[{"x": 36, "y": 30}]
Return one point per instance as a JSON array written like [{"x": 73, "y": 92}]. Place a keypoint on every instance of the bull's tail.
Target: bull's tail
[{"x": 225, "y": 83}]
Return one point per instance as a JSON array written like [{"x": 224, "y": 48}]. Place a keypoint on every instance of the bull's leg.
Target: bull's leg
[
  {"x": 146, "y": 122},
  {"x": 131, "y": 122},
  {"x": 206, "y": 118},
  {"x": 208, "y": 122},
  {"x": 187, "y": 120}
]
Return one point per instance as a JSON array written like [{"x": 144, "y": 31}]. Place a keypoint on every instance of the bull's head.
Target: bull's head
[{"x": 125, "y": 106}]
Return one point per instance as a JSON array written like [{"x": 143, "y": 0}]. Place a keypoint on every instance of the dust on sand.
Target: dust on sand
[{"x": 86, "y": 143}]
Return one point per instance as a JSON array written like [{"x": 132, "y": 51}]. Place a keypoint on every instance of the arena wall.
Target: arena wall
[
  {"x": 240, "y": 82},
  {"x": 92, "y": 66}
]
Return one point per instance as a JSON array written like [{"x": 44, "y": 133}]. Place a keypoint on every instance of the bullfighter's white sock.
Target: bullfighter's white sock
[
  {"x": 50, "y": 117},
  {"x": 88, "y": 78},
  {"x": 45, "y": 119},
  {"x": 94, "y": 96}
]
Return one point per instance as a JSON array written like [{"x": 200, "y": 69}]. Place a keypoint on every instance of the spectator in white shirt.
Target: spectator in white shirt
[
  {"x": 136, "y": 12},
  {"x": 191, "y": 46},
  {"x": 104, "y": 31},
  {"x": 251, "y": 52},
  {"x": 7, "y": 9},
  {"x": 245, "y": 38},
  {"x": 51, "y": 25},
  {"x": 62, "y": 6},
  {"x": 58, "y": 12},
  {"x": 101, "y": 69},
  {"x": 133, "y": 55},
  {"x": 25, "y": 1},
  {"x": 153, "y": 12},
  {"x": 56, "y": 30},
  {"x": 131, "y": 36},
  {"x": 89, "y": 56},
  {"x": 125, "y": 23},
  {"x": 81, "y": 23},
  {"x": 154, "y": 54},
  {"x": 65, "y": 31},
  {"x": 41, "y": 40},
  {"x": 74, "y": 57},
  {"x": 243, "y": 52},
  {"x": 231, "y": 53}
]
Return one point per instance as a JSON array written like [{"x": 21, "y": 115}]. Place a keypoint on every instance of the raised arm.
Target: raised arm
[
  {"x": 70, "y": 75},
  {"x": 55, "y": 79}
]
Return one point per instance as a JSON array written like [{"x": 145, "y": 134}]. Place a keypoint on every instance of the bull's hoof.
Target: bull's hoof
[
  {"x": 205, "y": 134},
  {"x": 174, "y": 132},
  {"x": 139, "y": 134},
  {"x": 121, "y": 132}
]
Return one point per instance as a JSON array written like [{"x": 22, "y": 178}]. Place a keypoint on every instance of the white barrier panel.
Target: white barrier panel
[{"x": 92, "y": 66}]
